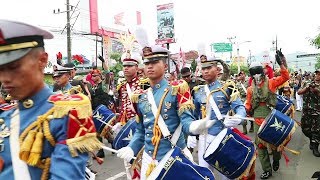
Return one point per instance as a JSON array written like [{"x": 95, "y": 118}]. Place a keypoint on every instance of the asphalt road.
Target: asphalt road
[{"x": 300, "y": 167}]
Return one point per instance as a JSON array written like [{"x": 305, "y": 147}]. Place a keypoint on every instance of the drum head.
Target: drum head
[{"x": 215, "y": 143}]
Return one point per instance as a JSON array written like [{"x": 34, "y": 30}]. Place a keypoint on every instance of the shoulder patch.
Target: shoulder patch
[
  {"x": 197, "y": 88},
  {"x": 7, "y": 106},
  {"x": 63, "y": 103}
]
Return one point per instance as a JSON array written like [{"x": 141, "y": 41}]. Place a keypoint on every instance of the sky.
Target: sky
[{"x": 197, "y": 23}]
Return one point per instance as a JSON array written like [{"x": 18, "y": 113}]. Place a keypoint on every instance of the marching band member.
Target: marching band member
[
  {"x": 61, "y": 77},
  {"x": 242, "y": 86},
  {"x": 226, "y": 97},
  {"x": 163, "y": 104},
  {"x": 310, "y": 121},
  {"x": 44, "y": 135},
  {"x": 260, "y": 97},
  {"x": 125, "y": 90}
]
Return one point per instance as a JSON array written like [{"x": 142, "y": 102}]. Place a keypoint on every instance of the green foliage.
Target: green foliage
[
  {"x": 118, "y": 67},
  {"x": 316, "y": 41},
  {"x": 317, "y": 65},
  {"x": 193, "y": 65},
  {"x": 234, "y": 69}
]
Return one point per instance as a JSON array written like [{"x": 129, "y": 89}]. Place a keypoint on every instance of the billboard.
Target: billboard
[{"x": 165, "y": 23}]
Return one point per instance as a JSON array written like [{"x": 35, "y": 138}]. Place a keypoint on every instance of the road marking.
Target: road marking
[{"x": 117, "y": 176}]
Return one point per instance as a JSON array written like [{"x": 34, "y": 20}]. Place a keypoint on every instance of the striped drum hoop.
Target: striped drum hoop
[{"x": 230, "y": 154}]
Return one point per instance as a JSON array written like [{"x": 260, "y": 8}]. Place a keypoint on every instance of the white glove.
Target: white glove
[
  {"x": 231, "y": 121},
  {"x": 126, "y": 153},
  {"x": 116, "y": 128},
  {"x": 192, "y": 142},
  {"x": 198, "y": 126}
]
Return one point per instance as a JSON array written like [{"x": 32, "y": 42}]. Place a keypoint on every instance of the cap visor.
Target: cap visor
[{"x": 10, "y": 56}]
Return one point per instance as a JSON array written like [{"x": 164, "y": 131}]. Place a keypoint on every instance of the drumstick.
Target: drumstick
[
  {"x": 112, "y": 150},
  {"x": 105, "y": 123},
  {"x": 244, "y": 118}
]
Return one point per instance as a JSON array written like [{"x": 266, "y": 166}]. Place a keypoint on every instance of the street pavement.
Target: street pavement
[{"x": 300, "y": 167}]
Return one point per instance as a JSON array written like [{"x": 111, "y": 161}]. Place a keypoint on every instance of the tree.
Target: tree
[
  {"x": 118, "y": 66},
  {"x": 193, "y": 66},
  {"x": 234, "y": 69},
  {"x": 316, "y": 42}
]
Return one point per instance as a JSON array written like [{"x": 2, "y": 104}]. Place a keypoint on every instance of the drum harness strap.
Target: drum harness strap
[{"x": 160, "y": 128}]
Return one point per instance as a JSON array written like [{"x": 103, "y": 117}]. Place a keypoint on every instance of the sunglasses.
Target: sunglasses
[{"x": 95, "y": 75}]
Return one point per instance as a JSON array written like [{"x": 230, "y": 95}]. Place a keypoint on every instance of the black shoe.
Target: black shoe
[
  {"x": 100, "y": 153},
  {"x": 316, "y": 152},
  {"x": 275, "y": 165},
  {"x": 251, "y": 128},
  {"x": 266, "y": 175}
]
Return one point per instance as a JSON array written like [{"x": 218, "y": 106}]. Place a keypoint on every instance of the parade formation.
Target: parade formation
[{"x": 154, "y": 119}]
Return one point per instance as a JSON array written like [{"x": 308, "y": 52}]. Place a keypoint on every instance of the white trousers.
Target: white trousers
[
  {"x": 146, "y": 160},
  {"x": 204, "y": 142},
  {"x": 127, "y": 166},
  {"x": 299, "y": 101}
]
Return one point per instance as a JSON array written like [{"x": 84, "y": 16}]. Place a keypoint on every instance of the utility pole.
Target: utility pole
[
  {"x": 230, "y": 40},
  {"x": 68, "y": 32},
  {"x": 68, "y": 25}
]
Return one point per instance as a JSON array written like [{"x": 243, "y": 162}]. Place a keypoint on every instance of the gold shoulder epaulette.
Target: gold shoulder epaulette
[
  {"x": 229, "y": 84},
  {"x": 144, "y": 80},
  {"x": 179, "y": 85},
  {"x": 121, "y": 84},
  {"x": 63, "y": 103},
  {"x": 136, "y": 94},
  {"x": 196, "y": 88}
]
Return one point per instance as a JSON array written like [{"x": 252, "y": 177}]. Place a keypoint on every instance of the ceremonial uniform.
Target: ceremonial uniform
[
  {"x": 260, "y": 97},
  {"x": 162, "y": 110},
  {"x": 43, "y": 135}
]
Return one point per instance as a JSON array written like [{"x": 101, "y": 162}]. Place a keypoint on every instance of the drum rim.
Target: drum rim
[
  {"x": 117, "y": 138},
  {"x": 215, "y": 141},
  {"x": 281, "y": 138},
  {"x": 157, "y": 170}
]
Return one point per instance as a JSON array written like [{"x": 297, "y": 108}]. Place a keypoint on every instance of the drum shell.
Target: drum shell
[
  {"x": 175, "y": 165},
  {"x": 102, "y": 113},
  {"x": 233, "y": 156},
  {"x": 124, "y": 136},
  {"x": 283, "y": 104},
  {"x": 276, "y": 128}
]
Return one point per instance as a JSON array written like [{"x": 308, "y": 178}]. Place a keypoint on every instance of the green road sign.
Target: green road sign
[{"x": 221, "y": 47}]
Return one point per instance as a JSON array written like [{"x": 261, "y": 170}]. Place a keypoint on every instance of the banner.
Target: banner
[
  {"x": 107, "y": 48},
  {"x": 165, "y": 21}
]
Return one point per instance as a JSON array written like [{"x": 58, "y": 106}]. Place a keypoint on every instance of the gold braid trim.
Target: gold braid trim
[
  {"x": 31, "y": 143},
  {"x": 182, "y": 87},
  {"x": 185, "y": 106},
  {"x": 246, "y": 173},
  {"x": 83, "y": 107},
  {"x": 135, "y": 97},
  {"x": 86, "y": 143},
  {"x": 137, "y": 119},
  {"x": 234, "y": 91},
  {"x": 46, "y": 168},
  {"x": 156, "y": 135},
  {"x": 47, "y": 133}
]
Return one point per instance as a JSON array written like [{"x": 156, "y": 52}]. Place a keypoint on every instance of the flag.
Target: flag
[{"x": 182, "y": 59}]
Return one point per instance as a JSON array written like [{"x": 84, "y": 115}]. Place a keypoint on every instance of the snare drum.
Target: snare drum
[
  {"x": 124, "y": 136},
  {"x": 230, "y": 154},
  {"x": 175, "y": 165},
  {"x": 283, "y": 104},
  {"x": 277, "y": 129},
  {"x": 103, "y": 119}
]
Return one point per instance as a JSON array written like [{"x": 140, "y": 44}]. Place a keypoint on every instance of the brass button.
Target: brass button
[
  {"x": 1, "y": 121},
  {"x": 27, "y": 103}
]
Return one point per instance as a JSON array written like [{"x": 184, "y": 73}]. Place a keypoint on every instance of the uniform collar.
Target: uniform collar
[
  {"x": 36, "y": 100},
  {"x": 162, "y": 83}
]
